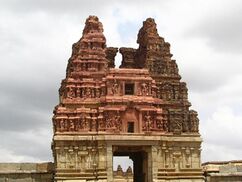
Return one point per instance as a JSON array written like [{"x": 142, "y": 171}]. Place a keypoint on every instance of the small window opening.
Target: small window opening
[
  {"x": 130, "y": 127},
  {"x": 129, "y": 89}
]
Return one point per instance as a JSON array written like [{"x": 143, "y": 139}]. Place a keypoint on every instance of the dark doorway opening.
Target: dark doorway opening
[
  {"x": 140, "y": 164},
  {"x": 129, "y": 89}
]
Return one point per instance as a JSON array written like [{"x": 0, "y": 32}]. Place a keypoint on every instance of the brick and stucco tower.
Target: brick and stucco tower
[{"x": 140, "y": 110}]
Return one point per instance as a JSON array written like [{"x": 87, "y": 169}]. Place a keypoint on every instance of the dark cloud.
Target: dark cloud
[
  {"x": 26, "y": 106},
  {"x": 54, "y": 6},
  {"x": 70, "y": 6},
  {"x": 203, "y": 76},
  {"x": 202, "y": 81},
  {"x": 35, "y": 47},
  {"x": 34, "y": 143},
  {"x": 17, "y": 119},
  {"x": 221, "y": 29}
]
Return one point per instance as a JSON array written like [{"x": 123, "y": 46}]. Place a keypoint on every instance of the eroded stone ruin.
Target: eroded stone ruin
[{"x": 140, "y": 110}]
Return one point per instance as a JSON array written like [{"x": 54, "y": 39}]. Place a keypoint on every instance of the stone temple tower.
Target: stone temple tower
[{"x": 140, "y": 110}]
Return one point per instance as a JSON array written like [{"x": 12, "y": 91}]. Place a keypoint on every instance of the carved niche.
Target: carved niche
[{"x": 113, "y": 121}]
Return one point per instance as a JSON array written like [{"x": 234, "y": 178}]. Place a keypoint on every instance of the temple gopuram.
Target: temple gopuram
[{"x": 140, "y": 110}]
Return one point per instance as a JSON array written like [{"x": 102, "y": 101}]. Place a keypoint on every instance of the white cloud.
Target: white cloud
[
  {"x": 222, "y": 135},
  {"x": 26, "y": 146},
  {"x": 10, "y": 156}
]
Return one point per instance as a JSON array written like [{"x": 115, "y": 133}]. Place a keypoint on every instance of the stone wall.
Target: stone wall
[
  {"x": 26, "y": 172},
  {"x": 223, "y": 171},
  {"x": 43, "y": 172}
]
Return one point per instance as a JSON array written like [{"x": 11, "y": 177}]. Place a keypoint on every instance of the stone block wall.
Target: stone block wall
[
  {"x": 223, "y": 171},
  {"x": 44, "y": 172},
  {"x": 26, "y": 172}
]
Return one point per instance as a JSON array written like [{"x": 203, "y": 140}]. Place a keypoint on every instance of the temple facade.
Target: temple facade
[{"x": 140, "y": 110}]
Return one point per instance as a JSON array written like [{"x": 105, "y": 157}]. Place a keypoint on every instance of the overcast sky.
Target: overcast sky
[{"x": 35, "y": 44}]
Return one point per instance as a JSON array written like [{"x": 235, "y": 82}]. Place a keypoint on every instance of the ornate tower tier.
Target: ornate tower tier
[{"x": 140, "y": 110}]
